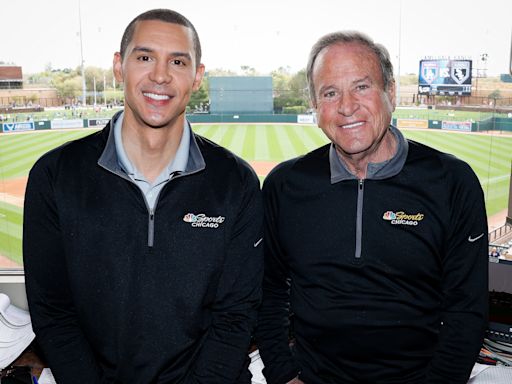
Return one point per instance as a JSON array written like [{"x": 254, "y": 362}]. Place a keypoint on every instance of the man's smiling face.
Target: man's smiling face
[{"x": 159, "y": 73}]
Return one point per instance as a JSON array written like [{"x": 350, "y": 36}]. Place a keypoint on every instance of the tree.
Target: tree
[
  {"x": 299, "y": 87},
  {"x": 199, "y": 97},
  {"x": 71, "y": 87},
  {"x": 496, "y": 94},
  {"x": 32, "y": 98},
  {"x": 290, "y": 91},
  {"x": 221, "y": 72},
  {"x": 68, "y": 85},
  {"x": 92, "y": 73},
  {"x": 280, "y": 80},
  {"x": 248, "y": 70}
]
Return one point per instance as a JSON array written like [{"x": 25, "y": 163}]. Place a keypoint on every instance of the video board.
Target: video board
[{"x": 445, "y": 77}]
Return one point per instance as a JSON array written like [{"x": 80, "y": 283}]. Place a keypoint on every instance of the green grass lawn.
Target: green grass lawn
[{"x": 489, "y": 156}]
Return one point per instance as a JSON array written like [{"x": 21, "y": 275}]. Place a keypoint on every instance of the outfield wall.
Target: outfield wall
[
  {"x": 495, "y": 124},
  {"x": 193, "y": 118},
  {"x": 491, "y": 124},
  {"x": 241, "y": 118}
]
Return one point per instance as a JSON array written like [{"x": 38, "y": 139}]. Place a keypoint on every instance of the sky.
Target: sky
[{"x": 263, "y": 34}]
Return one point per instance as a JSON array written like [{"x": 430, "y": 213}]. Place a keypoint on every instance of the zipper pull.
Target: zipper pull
[{"x": 151, "y": 228}]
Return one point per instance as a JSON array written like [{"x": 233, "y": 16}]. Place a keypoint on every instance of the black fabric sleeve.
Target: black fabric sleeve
[
  {"x": 465, "y": 284},
  {"x": 272, "y": 335},
  {"x": 224, "y": 353},
  {"x": 54, "y": 318}
]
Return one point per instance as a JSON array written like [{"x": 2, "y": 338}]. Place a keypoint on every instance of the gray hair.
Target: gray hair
[{"x": 349, "y": 37}]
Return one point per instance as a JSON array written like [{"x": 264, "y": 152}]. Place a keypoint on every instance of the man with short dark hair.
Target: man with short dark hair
[
  {"x": 142, "y": 241},
  {"x": 376, "y": 244}
]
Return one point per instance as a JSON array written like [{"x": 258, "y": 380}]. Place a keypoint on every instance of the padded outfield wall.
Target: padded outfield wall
[
  {"x": 491, "y": 124},
  {"x": 240, "y": 95}
]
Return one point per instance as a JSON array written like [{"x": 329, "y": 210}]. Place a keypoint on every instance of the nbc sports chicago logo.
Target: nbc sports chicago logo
[
  {"x": 402, "y": 218},
  {"x": 202, "y": 221}
]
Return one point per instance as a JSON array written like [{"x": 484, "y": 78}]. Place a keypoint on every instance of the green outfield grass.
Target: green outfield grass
[{"x": 489, "y": 156}]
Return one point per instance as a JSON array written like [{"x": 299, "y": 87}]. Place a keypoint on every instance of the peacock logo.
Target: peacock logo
[
  {"x": 389, "y": 215},
  {"x": 189, "y": 218}
]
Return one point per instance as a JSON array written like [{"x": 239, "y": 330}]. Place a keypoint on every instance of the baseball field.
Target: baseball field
[{"x": 263, "y": 145}]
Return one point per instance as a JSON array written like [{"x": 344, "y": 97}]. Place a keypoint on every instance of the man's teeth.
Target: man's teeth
[
  {"x": 154, "y": 96},
  {"x": 351, "y": 125}
]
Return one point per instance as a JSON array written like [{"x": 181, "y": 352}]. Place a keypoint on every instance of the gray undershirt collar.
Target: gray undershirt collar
[
  {"x": 178, "y": 164},
  {"x": 375, "y": 171}
]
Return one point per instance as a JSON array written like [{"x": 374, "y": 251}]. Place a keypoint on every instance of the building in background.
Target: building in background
[{"x": 11, "y": 77}]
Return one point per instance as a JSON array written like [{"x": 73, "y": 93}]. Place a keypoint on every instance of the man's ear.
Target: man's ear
[
  {"x": 199, "y": 77},
  {"x": 391, "y": 91},
  {"x": 312, "y": 103},
  {"x": 117, "y": 67}
]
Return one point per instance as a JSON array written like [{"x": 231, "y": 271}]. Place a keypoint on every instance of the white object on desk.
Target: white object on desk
[
  {"x": 490, "y": 374},
  {"x": 46, "y": 377},
  {"x": 15, "y": 331},
  {"x": 256, "y": 368}
]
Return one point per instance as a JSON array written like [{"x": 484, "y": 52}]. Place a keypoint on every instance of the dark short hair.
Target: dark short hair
[
  {"x": 349, "y": 37},
  {"x": 167, "y": 16}
]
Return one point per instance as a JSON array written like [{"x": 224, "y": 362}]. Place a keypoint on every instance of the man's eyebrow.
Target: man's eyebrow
[
  {"x": 143, "y": 49},
  {"x": 185, "y": 55},
  {"x": 325, "y": 88},
  {"x": 363, "y": 79},
  {"x": 356, "y": 81}
]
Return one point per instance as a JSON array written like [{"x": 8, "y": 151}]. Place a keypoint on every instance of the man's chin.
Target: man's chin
[
  {"x": 156, "y": 125},
  {"x": 158, "y": 122}
]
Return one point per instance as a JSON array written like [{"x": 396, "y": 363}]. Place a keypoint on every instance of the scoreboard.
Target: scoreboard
[{"x": 445, "y": 77}]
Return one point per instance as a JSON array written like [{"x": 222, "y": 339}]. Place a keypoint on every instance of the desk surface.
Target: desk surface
[
  {"x": 482, "y": 374},
  {"x": 490, "y": 374},
  {"x": 30, "y": 358}
]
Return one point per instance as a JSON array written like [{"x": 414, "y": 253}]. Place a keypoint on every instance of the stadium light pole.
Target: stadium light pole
[
  {"x": 510, "y": 63},
  {"x": 481, "y": 70},
  {"x": 114, "y": 87},
  {"x": 84, "y": 89},
  {"x": 399, "y": 48},
  {"x": 94, "y": 87}
]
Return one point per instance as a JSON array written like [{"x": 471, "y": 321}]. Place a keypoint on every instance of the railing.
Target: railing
[
  {"x": 510, "y": 64},
  {"x": 500, "y": 232}
]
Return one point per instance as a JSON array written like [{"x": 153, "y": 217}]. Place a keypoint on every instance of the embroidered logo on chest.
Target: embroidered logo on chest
[
  {"x": 202, "y": 221},
  {"x": 402, "y": 218}
]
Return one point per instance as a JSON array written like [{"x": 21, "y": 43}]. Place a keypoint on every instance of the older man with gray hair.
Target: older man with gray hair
[{"x": 377, "y": 245}]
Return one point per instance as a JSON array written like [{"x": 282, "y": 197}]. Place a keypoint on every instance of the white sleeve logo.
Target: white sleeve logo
[{"x": 473, "y": 239}]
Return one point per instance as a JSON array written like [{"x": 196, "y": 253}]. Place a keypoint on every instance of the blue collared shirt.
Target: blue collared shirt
[{"x": 178, "y": 164}]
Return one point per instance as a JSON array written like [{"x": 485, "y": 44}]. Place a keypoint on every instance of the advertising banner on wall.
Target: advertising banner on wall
[
  {"x": 411, "y": 123},
  {"x": 306, "y": 119},
  {"x": 18, "y": 127},
  {"x": 464, "y": 126},
  {"x": 63, "y": 124},
  {"x": 98, "y": 122}
]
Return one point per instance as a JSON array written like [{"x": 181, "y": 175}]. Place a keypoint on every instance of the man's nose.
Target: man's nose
[
  {"x": 161, "y": 73},
  {"x": 347, "y": 104}
]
